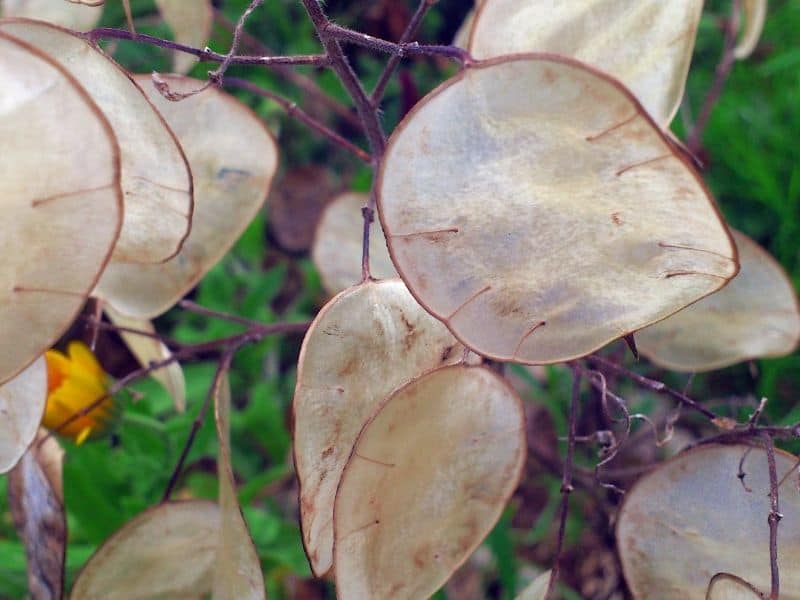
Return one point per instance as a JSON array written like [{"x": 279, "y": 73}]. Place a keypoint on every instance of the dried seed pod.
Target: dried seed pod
[
  {"x": 756, "y": 315},
  {"x": 428, "y": 477},
  {"x": 646, "y": 44},
  {"x": 58, "y": 230},
  {"x": 363, "y": 344},
  {"x": 233, "y": 159},
  {"x": 533, "y": 206},
  {"x": 155, "y": 177},
  {"x": 166, "y": 552},
  {"x": 22, "y": 402},
  {"x": 704, "y": 512}
]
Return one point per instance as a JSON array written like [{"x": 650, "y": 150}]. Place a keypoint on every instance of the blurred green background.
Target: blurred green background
[{"x": 753, "y": 167}]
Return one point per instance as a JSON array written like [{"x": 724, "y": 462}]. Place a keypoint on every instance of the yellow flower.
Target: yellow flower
[{"x": 74, "y": 381}]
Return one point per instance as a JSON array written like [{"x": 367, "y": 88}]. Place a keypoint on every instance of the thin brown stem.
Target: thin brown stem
[
  {"x": 305, "y": 83},
  {"x": 185, "y": 352},
  {"x": 318, "y": 60},
  {"x": 566, "y": 482},
  {"x": 773, "y": 518},
  {"x": 222, "y": 369},
  {"x": 98, "y": 324},
  {"x": 411, "y": 30},
  {"x": 218, "y": 74},
  {"x": 400, "y": 50},
  {"x": 724, "y": 67},
  {"x": 217, "y": 314},
  {"x": 653, "y": 385},
  {"x": 296, "y": 112},
  {"x": 339, "y": 63}
]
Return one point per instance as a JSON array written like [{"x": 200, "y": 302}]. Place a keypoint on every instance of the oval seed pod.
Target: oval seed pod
[
  {"x": 155, "y": 177},
  {"x": 428, "y": 477},
  {"x": 646, "y": 44},
  {"x": 532, "y": 205},
  {"x": 233, "y": 159},
  {"x": 363, "y": 344},
  {"x": 756, "y": 315},
  {"x": 22, "y": 402},
  {"x": 693, "y": 517},
  {"x": 59, "y": 229},
  {"x": 168, "y": 551}
]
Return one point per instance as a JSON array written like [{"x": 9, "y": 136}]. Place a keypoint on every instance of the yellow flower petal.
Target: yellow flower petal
[
  {"x": 77, "y": 381},
  {"x": 83, "y": 435},
  {"x": 58, "y": 368},
  {"x": 83, "y": 360}
]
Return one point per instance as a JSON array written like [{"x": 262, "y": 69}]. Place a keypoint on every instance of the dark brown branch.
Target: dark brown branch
[
  {"x": 222, "y": 369},
  {"x": 339, "y": 63},
  {"x": 400, "y": 50},
  {"x": 318, "y": 60},
  {"x": 566, "y": 481},
  {"x": 731, "y": 27},
  {"x": 653, "y": 385},
  {"x": 305, "y": 83},
  {"x": 366, "y": 111},
  {"x": 296, "y": 112},
  {"x": 773, "y": 518},
  {"x": 411, "y": 30}
]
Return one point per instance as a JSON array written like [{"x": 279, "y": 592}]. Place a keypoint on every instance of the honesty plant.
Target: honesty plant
[{"x": 535, "y": 207}]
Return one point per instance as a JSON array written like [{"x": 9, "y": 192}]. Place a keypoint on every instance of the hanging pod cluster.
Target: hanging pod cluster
[
  {"x": 538, "y": 207},
  {"x": 549, "y": 192},
  {"x": 535, "y": 207},
  {"x": 139, "y": 198}
]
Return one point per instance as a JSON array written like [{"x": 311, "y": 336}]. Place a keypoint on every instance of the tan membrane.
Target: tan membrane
[
  {"x": 155, "y": 177},
  {"x": 756, "y": 315},
  {"x": 233, "y": 159},
  {"x": 532, "y": 205},
  {"x": 147, "y": 350},
  {"x": 168, "y": 551},
  {"x": 237, "y": 573},
  {"x": 428, "y": 478},
  {"x": 646, "y": 44},
  {"x": 363, "y": 344},
  {"x": 71, "y": 15},
  {"x": 755, "y": 13},
  {"x": 22, "y": 402},
  {"x": 61, "y": 201},
  {"x": 693, "y": 517}
]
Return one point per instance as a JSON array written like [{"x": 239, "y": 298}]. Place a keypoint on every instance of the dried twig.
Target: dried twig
[
  {"x": 728, "y": 58},
  {"x": 411, "y": 30},
  {"x": 305, "y": 83},
  {"x": 319, "y": 60},
  {"x": 222, "y": 369},
  {"x": 296, "y": 112},
  {"x": 566, "y": 481},
  {"x": 653, "y": 385},
  {"x": 773, "y": 518}
]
